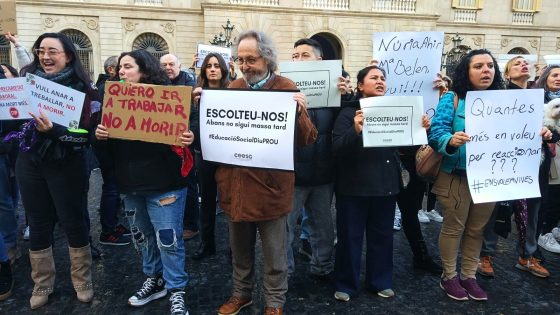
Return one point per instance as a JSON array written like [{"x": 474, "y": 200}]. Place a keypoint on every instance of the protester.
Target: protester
[
  {"x": 172, "y": 66},
  {"x": 152, "y": 177},
  {"x": 213, "y": 74},
  {"x": 112, "y": 232},
  {"x": 8, "y": 200},
  {"x": 549, "y": 232},
  {"x": 266, "y": 195},
  {"x": 526, "y": 210},
  {"x": 315, "y": 179},
  {"x": 367, "y": 184},
  {"x": 463, "y": 221},
  {"x": 51, "y": 171}
]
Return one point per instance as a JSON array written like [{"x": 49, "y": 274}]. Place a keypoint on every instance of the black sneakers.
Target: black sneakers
[
  {"x": 177, "y": 301},
  {"x": 6, "y": 280},
  {"x": 152, "y": 289},
  {"x": 113, "y": 238}
]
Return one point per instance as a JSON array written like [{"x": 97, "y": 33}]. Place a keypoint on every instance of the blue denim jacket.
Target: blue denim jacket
[{"x": 445, "y": 123}]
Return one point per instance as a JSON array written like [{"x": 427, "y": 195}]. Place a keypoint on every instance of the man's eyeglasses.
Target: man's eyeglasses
[
  {"x": 51, "y": 52},
  {"x": 249, "y": 60}
]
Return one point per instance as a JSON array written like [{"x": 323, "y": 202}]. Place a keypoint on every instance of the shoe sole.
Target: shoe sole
[
  {"x": 489, "y": 275},
  {"x": 478, "y": 299},
  {"x": 552, "y": 250},
  {"x": 466, "y": 298},
  {"x": 7, "y": 294},
  {"x": 521, "y": 267},
  {"x": 114, "y": 244},
  {"x": 239, "y": 309},
  {"x": 340, "y": 298},
  {"x": 147, "y": 300}
]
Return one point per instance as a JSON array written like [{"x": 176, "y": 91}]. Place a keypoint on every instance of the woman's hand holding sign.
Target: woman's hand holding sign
[
  {"x": 187, "y": 138},
  {"x": 546, "y": 134},
  {"x": 43, "y": 122},
  {"x": 459, "y": 138},
  {"x": 101, "y": 132},
  {"x": 344, "y": 85},
  {"x": 359, "y": 121}
]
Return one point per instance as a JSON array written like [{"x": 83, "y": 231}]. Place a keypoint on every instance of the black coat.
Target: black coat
[
  {"x": 365, "y": 172},
  {"x": 314, "y": 163}
]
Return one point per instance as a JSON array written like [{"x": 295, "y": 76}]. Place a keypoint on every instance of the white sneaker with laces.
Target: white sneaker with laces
[
  {"x": 434, "y": 216},
  {"x": 423, "y": 217},
  {"x": 549, "y": 243},
  {"x": 397, "y": 221},
  {"x": 556, "y": 233}
]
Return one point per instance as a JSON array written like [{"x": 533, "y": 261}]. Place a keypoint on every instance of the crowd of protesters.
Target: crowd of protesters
[{"x": 169, "y": 194}]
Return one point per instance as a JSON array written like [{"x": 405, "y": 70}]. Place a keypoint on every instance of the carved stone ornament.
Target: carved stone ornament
[
  {"x": 168, "y": 27},
  {"x": 130, "y": 26},
  {"x": 505, "y": 42},
  {"x": 558, "y": 43},
  {"x": 447, "y": 40},
  {"x": 477, "y": 41},
  {"x": 49, "y": 22},
  {"x": 91, "y": 24},
  {"x": 534, "y": 43}
]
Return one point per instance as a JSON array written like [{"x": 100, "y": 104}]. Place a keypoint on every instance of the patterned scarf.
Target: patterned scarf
[{"x": 552, "y": 95}]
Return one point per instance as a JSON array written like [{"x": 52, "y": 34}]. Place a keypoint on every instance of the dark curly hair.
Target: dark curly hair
[
  {"x": 461, "y": 82},
  {"x": 203, "y": 79},
  {"x": 11, "y": 69},
  {"x": 149, "y": 67}
]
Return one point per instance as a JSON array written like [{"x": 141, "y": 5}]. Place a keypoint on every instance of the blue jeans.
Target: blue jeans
[
  {"x": 3, "y": 251},
  {"x": 156, "y": 223},
  {"x": 110, "y": 200},
  {"x": 8, "y": 203}
]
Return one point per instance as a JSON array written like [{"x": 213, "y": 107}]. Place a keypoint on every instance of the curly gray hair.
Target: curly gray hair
[{"x": 266, "y": 47}]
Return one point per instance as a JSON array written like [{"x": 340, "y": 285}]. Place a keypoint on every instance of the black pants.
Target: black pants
[
  {"x": 208, "y": 193},
  {"x": 51, "y": 191},
  {"x": 410, "y": 201},
  {"x": 551, "y": 209}
]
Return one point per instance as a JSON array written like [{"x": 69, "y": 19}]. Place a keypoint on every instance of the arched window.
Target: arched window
[
  {"x": 83, "y": 47},
  {"x": 151, "y": 42},
  {"x": 5, "y": 56},
  {"x": 518, "y": 51}
]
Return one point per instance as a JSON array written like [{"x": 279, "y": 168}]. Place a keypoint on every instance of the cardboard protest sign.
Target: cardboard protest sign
[
  {"x": 152, "y": 113},
  {"x": 8, "y": 17},
  {"x": 14, "y": 99},
  {"x": 61, "y": 104},
  {"x": 504, "y": 151},
  {"x": 316, "y": 79},
  {"x": 248, "y": 128},
  {"x": 203, "y": 50},
  {"x": 411, "y": 61},
  {"x": 392, "y": 121}
]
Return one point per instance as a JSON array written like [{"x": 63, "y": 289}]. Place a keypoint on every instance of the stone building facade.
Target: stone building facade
[{"x": 101, "y": 28}]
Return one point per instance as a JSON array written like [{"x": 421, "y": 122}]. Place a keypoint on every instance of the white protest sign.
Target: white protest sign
[
  {"x": 203, "y": 50},
  {"x": 61, "y": 104},
  {"x": 14, "y": 99},
  {"x": 316, "y": 79},
  {"x": 392, "y": 121},
  {"x": 248, "y": 128},
  {"x": 504, "y": 151},
  {"x": 412, "y": 61}
]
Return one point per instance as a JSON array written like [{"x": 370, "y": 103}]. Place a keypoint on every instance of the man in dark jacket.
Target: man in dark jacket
[
  {"x": 172, "y": 66},
  {"x": 314, "y": 170}
]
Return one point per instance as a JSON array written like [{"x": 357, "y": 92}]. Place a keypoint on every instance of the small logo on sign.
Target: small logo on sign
[
  {"x": 14, "y": 112},
  {"x": 243, "y": 156}
]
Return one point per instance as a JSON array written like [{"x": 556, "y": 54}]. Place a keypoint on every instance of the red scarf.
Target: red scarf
[{"x": 187, "y": 160}]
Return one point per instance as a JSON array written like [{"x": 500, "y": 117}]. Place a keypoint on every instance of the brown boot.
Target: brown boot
[
  {"x": 80, "y": 270},
  {"x": 43, "y": 273}
]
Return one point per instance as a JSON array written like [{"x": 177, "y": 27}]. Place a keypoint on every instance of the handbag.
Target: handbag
[{"x": 428, "y": 161}]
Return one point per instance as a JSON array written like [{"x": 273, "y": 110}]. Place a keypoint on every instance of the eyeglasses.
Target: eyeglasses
[
  {"x": 51, "y": 52},
  {"x": 249, "y": 60}
]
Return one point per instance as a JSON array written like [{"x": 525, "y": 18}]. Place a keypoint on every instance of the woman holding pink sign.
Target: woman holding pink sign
[{"x": 52, "y": 173}]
